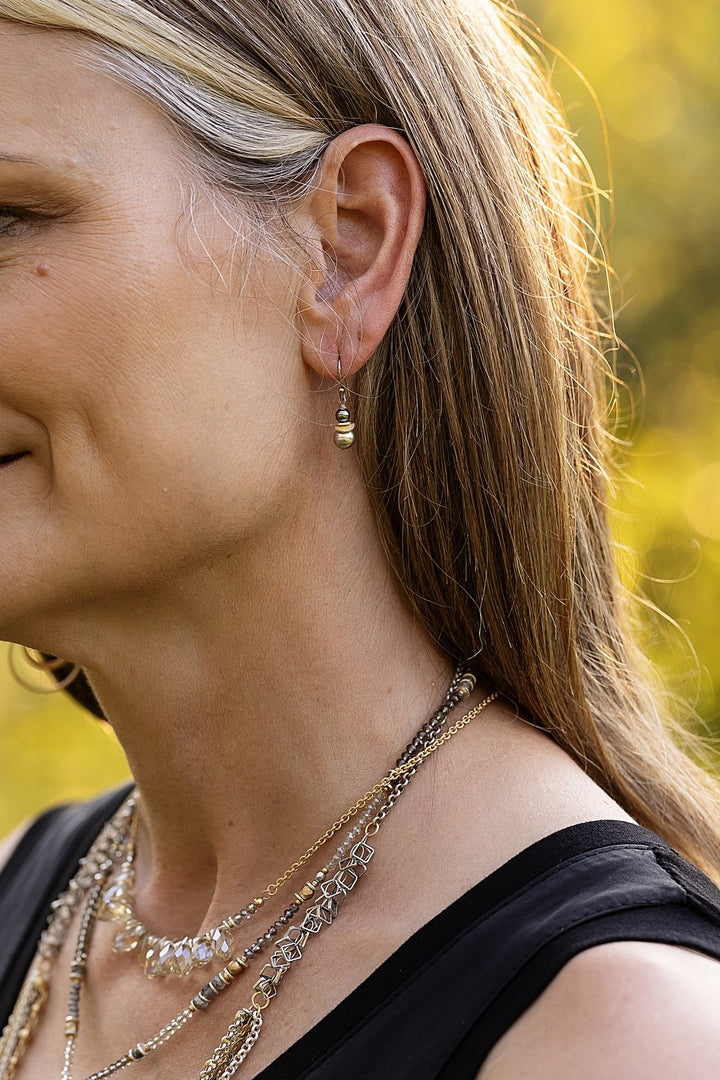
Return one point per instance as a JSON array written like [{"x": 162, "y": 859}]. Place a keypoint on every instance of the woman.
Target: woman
[{"x": 301, "y": 413}]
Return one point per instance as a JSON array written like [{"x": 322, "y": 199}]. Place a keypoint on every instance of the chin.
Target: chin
[{"x": 39, "y": 606}]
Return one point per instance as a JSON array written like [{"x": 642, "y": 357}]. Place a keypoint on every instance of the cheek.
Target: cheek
[
  {"x": 68, "y": 329},
  {"x": 162, "y": 429}
]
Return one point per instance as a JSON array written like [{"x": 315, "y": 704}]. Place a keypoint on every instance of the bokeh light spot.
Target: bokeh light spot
[
  {"x": 642, "y": 101},
  {"x": 702, "y": 505}
]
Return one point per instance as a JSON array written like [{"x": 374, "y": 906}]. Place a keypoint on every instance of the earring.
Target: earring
[
  {"x": 344, "y": 429},
  {"x": 48, "y": 666}
]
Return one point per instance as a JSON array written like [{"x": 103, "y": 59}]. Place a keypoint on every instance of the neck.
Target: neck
[{"x": 255, "y": 708}]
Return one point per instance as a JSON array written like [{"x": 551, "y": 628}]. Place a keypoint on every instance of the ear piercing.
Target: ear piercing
[{"x": 344, "y": 428}]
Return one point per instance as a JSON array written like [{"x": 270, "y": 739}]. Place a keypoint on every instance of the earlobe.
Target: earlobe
[{"x": 366, "y": 214}]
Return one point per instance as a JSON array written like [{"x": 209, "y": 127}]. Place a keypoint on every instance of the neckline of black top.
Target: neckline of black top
[{"x": 520, "y": 871}]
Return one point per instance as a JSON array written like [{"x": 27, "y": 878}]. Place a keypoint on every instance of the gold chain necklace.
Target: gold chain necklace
[{"x": 162, "y": 956}]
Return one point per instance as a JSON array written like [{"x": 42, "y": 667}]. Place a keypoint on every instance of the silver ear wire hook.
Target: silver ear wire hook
[{"x": 344, "y": 428}]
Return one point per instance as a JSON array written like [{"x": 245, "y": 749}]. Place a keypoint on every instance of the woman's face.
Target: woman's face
[{"x": 153, "y": 393}]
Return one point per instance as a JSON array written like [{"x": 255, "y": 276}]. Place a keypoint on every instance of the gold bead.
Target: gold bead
[
  {"x": 344, "y": 435},
  {"x": 466, "y": 685}
]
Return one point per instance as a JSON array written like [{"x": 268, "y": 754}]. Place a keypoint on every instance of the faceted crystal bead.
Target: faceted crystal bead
[
  {"x": 114, "y": 892},
  {"x": 117, "y": 911},
  {"x": 183, "y": 957},
  {"x": 202, "y": 951},
  {"x": 54, "y": 936},
  {"x": 114, "y": 903},
  {"x": 166, "y": 958},
  {"x": 84, "y": 877},
  {"x": 222, "y": 943},
  {"x": 129, "y": 938},
  {"x": 152, "y": 960}
]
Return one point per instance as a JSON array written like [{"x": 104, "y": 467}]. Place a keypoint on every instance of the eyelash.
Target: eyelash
[{"x": 9, "y": 212}]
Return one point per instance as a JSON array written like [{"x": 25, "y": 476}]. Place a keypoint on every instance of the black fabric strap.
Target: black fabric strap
[
  {"x": 672, "y": 924},
  {"x": 437, "y": 1005},
  {"x": 37, "y": 871}
]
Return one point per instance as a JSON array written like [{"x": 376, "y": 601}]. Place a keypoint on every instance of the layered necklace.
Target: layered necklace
[{"x": 105, "y": 884}]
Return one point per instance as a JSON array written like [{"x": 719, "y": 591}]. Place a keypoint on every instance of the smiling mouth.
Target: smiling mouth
[{"x": 7, "y": 459}]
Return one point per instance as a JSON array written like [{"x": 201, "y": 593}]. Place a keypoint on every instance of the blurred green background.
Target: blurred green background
[{"x": 654, "y": 68}]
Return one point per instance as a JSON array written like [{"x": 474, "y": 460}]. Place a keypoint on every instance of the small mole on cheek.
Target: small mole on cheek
[{"x": 42, "y": 270}]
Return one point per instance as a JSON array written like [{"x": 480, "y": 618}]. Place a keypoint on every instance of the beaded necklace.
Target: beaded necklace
[
  {"x": 162, "y": 956},
  {"x": 116, "y": 842}
]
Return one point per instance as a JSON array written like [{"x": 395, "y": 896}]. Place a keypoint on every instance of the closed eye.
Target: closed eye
[{"x": 12, "y": 220}]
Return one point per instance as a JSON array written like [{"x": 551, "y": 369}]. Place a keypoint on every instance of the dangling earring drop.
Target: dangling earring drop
[
  {"x": 48, "y": 666},
  {"x": 344, "y": 428}
]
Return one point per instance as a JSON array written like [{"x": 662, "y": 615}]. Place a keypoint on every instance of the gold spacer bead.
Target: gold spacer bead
[
  {"x": 235, "y": 966},
  {"x": 307, "y": 890},
  {"x": 466, "y": 685},
  {"x": 71, "y": 1026},
  {"x": 259, "y": 901}
]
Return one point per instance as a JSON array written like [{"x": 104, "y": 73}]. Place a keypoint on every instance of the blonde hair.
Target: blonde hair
[{"x": 484, "y": 411}]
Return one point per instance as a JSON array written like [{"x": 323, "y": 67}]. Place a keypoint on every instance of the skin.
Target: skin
[
  {"x": 631, "y": 1010},
  {"x": 182, "y": 526}
]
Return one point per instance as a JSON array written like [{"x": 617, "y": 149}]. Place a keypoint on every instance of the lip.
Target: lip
[{"x": 6, "y": 460}]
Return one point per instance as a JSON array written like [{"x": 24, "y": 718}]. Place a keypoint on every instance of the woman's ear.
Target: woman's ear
[{"x": 366, "y": 214}]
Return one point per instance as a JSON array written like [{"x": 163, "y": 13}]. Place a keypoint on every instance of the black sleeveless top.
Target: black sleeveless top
[{"x": 434, "y": 1009}]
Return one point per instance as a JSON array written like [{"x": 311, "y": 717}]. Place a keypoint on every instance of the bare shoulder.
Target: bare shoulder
[{"x": 626, "y": 1009}]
